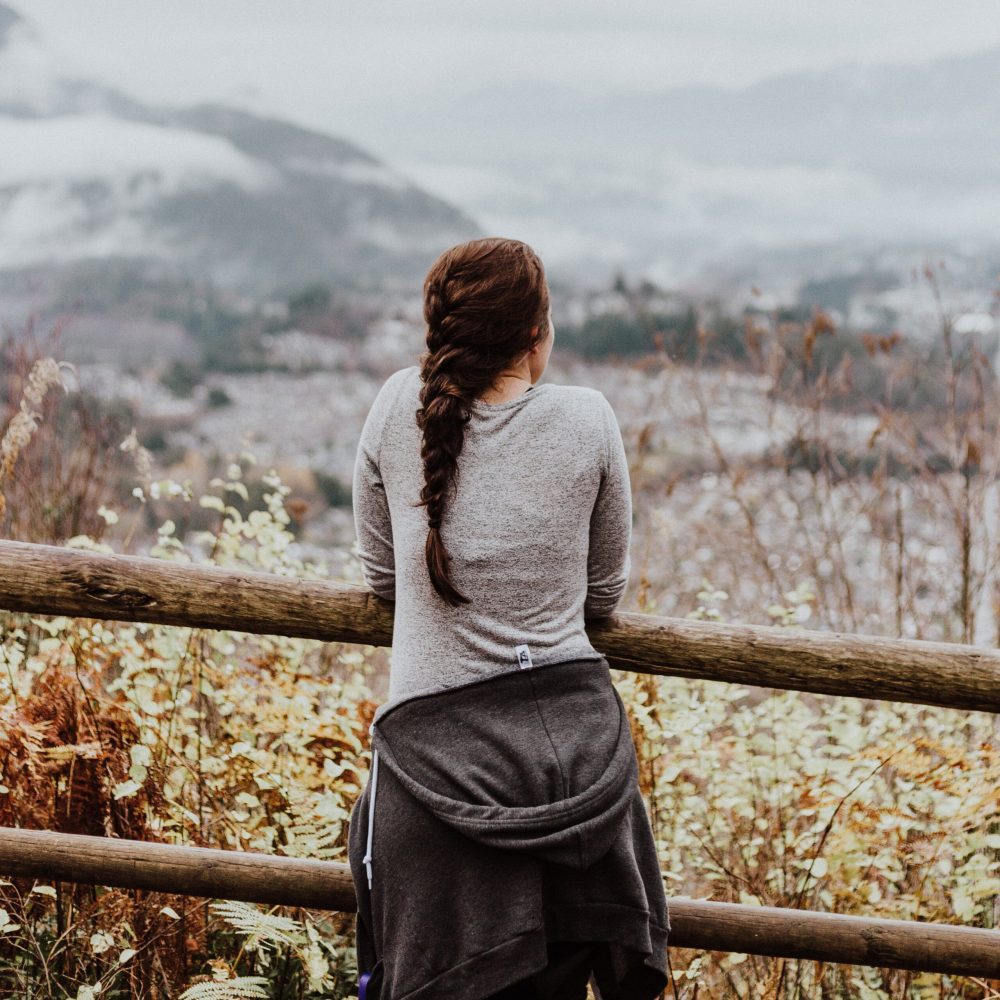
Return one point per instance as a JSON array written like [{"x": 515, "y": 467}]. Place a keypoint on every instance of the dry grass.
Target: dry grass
[{"x": 756, "y": 796}]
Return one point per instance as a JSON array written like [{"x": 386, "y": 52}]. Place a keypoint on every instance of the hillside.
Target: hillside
[{"x": 254, "y": 202}]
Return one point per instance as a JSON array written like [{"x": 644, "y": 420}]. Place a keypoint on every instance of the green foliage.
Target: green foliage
[
  {"x": 221, "y": 739},
  {"x": 231, "y": 741},
  {"x": 835, "y": 804},
  {"x": 336, "y": 492},
  {"x": 181, "y": 378},
  {"x": 218, "y": 397},
  {"x": 309, "y": 301},
  {"x": 837, "y": 292},
  {"x": 607, "y": 335},
  {"x": 155, "y": 440},
  {"x": 635, "y": 334},
  {"x": 228, "y": 339}
]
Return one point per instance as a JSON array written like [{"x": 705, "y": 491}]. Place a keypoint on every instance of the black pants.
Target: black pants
[{"x": 564, "y": 978}]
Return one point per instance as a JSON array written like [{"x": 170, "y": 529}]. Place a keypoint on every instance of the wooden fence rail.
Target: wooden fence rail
[
  {"x": 702, "y": 924},
  {"x": 51, "y": 580}
]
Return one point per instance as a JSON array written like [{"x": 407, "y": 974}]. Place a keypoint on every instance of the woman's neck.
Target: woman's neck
[{"x": 515, "y": 386}]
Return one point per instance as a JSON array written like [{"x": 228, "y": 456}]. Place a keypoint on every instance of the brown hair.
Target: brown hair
[{"x": 482, "y": 300}]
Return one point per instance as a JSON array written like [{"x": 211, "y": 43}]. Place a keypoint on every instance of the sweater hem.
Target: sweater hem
[
  {"x": 487, "y": 972},
  {"x": 634, "y": 966},
  {"x": 635, "y": 969}
]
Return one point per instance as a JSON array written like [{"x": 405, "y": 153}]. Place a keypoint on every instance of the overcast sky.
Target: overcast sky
[
  {"x": 352, "y": 67},
  {"x": 458, "y": 96}
]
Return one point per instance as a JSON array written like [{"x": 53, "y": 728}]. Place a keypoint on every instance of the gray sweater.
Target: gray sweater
[{"x": 537, "y": 530}]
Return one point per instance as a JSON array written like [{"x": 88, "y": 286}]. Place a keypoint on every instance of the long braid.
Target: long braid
[
  {"x": 444, "y": 414},
  {"x": 481, "y": 301}
]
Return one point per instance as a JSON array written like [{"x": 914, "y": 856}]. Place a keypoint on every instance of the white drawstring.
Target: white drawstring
[{"x": 371, "y": 810}]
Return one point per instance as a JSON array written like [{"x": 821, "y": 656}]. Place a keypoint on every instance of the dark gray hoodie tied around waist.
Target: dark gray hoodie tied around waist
[{"x": 499, "y": 815}]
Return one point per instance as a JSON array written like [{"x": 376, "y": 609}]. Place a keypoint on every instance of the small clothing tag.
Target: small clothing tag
[{"x": 523, "y": 656}]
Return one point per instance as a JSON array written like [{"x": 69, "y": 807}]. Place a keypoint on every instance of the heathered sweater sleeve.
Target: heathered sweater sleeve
[
  {"x": 372, "y": 522},
  {"x": 609, "y": 561}
]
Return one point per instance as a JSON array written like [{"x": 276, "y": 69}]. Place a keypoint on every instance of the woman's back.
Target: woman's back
[
  {"x": 537, "y": 531},
  {"x": 507, "y": 851}
]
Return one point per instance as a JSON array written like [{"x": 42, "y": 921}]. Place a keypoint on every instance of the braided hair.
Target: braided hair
[{"x": 482, "y": 302}]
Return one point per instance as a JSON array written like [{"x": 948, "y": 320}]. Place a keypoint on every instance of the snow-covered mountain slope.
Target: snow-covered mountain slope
[{"x": 85, "y": 172}]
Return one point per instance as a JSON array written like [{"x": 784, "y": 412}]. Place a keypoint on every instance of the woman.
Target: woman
[{"x": 501, "y": 848}]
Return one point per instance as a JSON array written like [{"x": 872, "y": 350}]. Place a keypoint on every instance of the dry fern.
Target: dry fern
[
  {"x": 262, "y": 930},
  {"x": 240, "y": 988}
]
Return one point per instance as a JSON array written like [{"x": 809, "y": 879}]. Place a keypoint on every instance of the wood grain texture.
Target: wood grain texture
[
  {"x": 190, "y": 871},
  {"x": 327, "y": 885},
  {"x": 833, "y": 937},
  {"x": 53, "y": 580}
]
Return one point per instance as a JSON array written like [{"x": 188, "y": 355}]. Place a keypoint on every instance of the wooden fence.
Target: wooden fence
[{"x": 50, "y": 580}]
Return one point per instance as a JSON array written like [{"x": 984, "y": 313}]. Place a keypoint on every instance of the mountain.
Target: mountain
[
  {"x": 932, "y": 122},
  {"x": 254, "y": 202},
  {"x": 807, "y": 174},
  {"x": 677, "y": 180}
]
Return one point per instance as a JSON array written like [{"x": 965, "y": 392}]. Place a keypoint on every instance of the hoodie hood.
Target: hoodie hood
[{"x": 537, "y": 759}]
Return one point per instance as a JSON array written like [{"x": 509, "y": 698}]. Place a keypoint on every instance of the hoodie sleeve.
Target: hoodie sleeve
[
  {"x": 609, "y": 561},
  {"x": 372, "y": 521}
]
